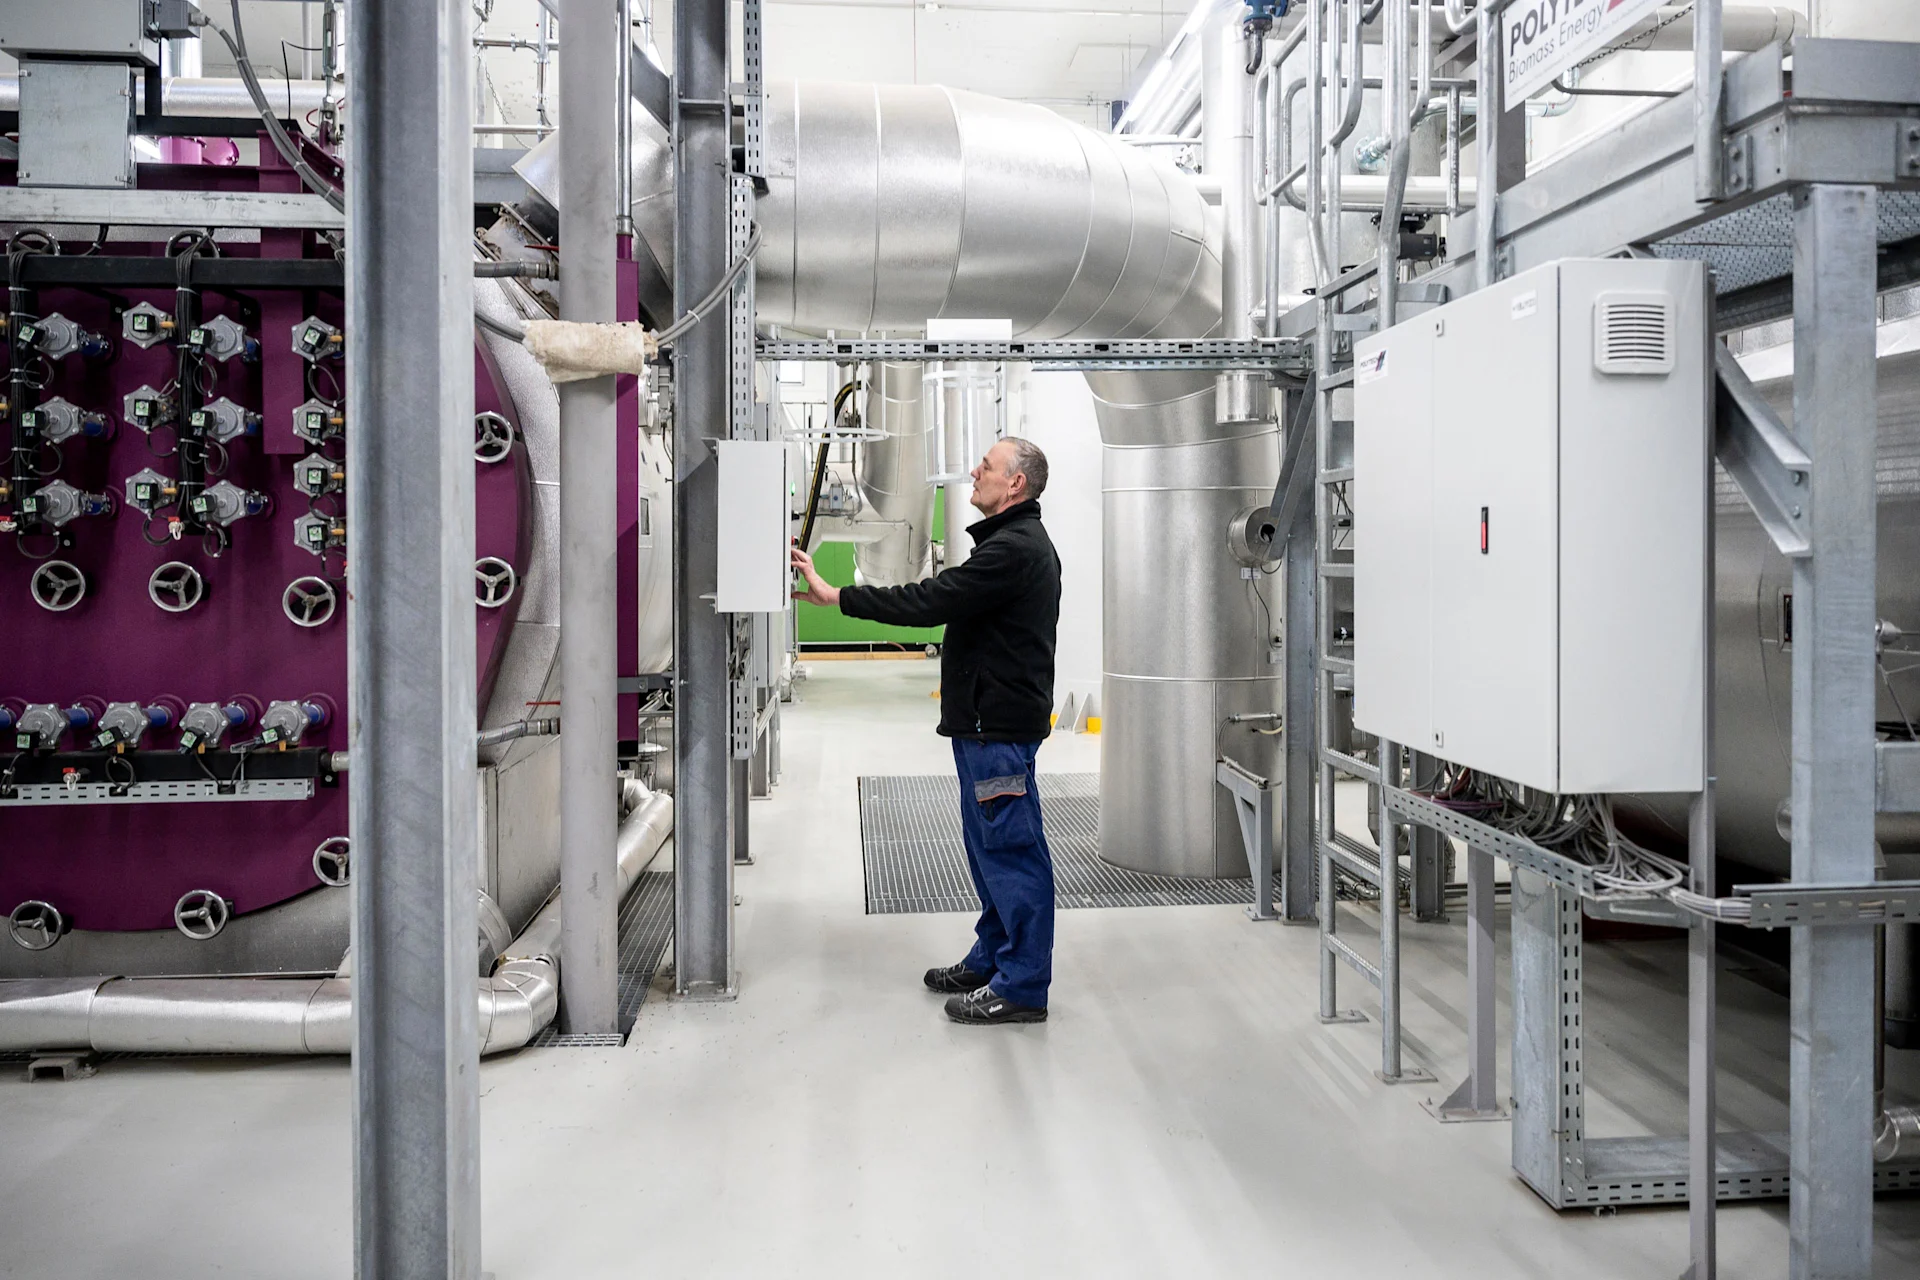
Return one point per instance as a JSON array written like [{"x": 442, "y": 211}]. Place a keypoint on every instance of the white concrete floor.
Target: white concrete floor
[{"x": 1182, "y": 1114}]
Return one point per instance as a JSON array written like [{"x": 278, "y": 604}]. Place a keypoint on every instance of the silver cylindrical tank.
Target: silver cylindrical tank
[
  {"x": 1186, "y": 636},
  {"x": 893, "y": 478},
  {"x": 1753, "y": 659}
]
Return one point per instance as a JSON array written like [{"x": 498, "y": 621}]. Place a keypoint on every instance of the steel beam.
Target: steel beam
[
  {"x": 703, "y": 847},
  {"x": 1830, "y": 1218},
  {"x": 411, "y": 712},
  {"x": 589, "y": 531}
]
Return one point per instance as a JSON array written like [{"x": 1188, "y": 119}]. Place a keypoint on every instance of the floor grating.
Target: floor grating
[
  {"x": 646, "y": 926},
  {"x": 916, "y": 860}
]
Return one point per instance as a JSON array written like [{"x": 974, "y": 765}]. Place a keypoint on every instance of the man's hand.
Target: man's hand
[{"x": 817, "y": 592}]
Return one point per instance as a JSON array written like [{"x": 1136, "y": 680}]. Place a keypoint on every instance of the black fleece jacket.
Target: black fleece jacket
[{"x": 1001, "y": 609}]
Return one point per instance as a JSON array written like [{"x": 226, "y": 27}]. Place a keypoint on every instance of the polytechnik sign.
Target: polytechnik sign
[{"x": 1542, "y": 38}]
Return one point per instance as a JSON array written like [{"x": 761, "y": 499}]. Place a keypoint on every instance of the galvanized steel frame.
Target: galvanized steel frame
[
  {"x": 413, "y": 819},
  {"x": 1849, "y": 126}
]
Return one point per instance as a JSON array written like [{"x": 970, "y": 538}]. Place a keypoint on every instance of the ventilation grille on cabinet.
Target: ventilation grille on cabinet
[{"x": 1633, "y": 333}]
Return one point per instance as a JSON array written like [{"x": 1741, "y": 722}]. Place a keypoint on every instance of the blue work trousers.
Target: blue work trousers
[{"x": 1011, "y": 866}]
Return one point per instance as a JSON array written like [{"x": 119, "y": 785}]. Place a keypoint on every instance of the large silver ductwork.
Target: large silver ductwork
[
  {"x": 1186, "y": 638},
  {"x": 889, "y": 205},
  {"x": 314, "y": 1015},
  {"x": 893, "y": 479}
]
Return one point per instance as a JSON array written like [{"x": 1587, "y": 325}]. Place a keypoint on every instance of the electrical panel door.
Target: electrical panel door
[
  {"x": 1393, "y": 469},
  {"x": 1495, "y": 527},
  {"x": 1530, "y": 477}
]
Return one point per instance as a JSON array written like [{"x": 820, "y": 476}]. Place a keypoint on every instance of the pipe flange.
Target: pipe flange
[
  {"x": 58, "y": 585},
  {"x": 494, "y": 582},
  {"x": 176, "y": 587},
  {"x": 201, "y": 914},
  {"x": 493, "y": 437},
  {"x": 309, "y": 601},
  {"x": 1250, "y": 536},
  {"x": 36, "y": 925},
  {"x": 331, "y": 863}
]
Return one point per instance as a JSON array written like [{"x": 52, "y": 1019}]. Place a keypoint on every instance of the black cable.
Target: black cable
[
  {"x": 1618, "y": 93},
  {"x": 820, "y": 468}
]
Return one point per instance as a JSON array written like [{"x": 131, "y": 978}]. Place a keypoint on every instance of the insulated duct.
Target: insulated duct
[
  {"x": 889, "y": 205},
  {"x": 295, "y": 1015},
  {"x": 893, "y": 479}
]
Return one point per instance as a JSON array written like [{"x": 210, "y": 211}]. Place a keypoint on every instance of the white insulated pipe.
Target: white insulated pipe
[
  {"x": 1226, "y": 156},
  {"x": 296, "y": 1015}
]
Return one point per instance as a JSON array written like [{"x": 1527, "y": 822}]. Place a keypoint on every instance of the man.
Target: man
[{"x": 1000, "y": 609}]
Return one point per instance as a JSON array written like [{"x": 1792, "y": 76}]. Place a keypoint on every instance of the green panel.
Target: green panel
[{"x": 834, "y": 560}]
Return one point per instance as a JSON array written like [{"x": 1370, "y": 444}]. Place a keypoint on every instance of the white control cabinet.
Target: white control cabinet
[{"x": 1530, "y": 475}]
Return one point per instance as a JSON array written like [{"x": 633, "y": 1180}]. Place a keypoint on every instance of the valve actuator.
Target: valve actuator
[
  {"x": 226, "y": 502},
  {"x": 124, "y": 725},
  {"x": 224, "y": 421},
  {"x": 43, "y": 725},
  {"x": 223, "y": 339},
  {"x": 58, "y": 420},
  {"x": 58, "y": 503},
  {"x": 56, "y": 337},
  {"x": 206, "y": 724},
  {"x": 285, "y": 723}
]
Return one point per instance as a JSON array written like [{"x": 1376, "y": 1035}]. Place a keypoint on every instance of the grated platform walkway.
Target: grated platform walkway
[{"x": 916, "y": 860}]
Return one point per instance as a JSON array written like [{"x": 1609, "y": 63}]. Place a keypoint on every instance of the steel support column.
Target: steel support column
[
  {"x": 411, "y": 713},
  {"x": 1300, "y": 573},
  {"x": 703, "y": 847},
  {"x": 1830, "y": 1218},
  {"x": 589, "y": 530}
]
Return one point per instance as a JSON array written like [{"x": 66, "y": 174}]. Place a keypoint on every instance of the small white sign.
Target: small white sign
[
  {"x": 1370, "y": 368},
  {"x": 1525, "y": 304},
  {"x": 1542, "y": 38}
]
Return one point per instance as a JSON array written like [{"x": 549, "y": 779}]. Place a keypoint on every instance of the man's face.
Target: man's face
[{"x": 996, "y": 485}]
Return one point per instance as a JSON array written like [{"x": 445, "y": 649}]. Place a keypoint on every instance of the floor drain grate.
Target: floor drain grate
[
  {"x": 916, "y": 860},
  {"x": 646, "y": 926}
]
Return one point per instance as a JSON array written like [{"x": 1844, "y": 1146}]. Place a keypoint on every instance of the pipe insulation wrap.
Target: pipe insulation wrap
[
  {"x": 296, "y": 1015},
  {"x": 889, "y": 205}
]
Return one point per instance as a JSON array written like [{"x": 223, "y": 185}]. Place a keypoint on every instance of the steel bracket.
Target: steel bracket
[
  {"x": 1906, "y": 155},
  {"x": 1896, "y": 770},
  {"x": 1777, "y": 906},
  {"x": 1253, "y": 805},
  {"x": 1773, "y": 471}
]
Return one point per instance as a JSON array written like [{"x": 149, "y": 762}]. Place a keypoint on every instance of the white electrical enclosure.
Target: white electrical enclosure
[
  {"x": 754, "y": 576},
  {"x": 1531, "y": 468}
]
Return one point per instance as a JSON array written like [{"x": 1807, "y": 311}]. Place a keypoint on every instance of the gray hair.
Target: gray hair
[{"x": 1029, "y": 462}]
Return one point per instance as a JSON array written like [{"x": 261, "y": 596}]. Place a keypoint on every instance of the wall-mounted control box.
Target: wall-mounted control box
[
  {"x": 754, "y": 577},
  {"x": 1531, "y": 469}
]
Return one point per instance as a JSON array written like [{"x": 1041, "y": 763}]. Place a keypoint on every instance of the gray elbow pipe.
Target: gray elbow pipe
[{"x": 295, "y": 1015}]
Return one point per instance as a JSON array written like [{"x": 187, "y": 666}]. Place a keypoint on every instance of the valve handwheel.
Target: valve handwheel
[
  {"x": 176, "y": 586},
  {"x": 36, "y": 925},
  {"x": 201, "y": 914},
  {"x": 309, "y": 601},
  {"x": 331, "y": 862},
  {"x": 58, "y": 585},
  {"x": 492, "y": 437},
  {"x": 493, "y": 581}
]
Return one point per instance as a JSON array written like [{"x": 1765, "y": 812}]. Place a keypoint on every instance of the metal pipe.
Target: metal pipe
[
  {"x": 623, "y": 122},
  {"x": 892, "y": 476},
  {"x": 589, "y": 525},
  {"x": 411, "y": 644},
  {"x": 518, "y": 268},
  {"x": 1486, "y": 203},
  {"x": 545, "y": 727},
  {"x": 1709, "y": 85},
  {"x": 1400, "y": 137},
  {"x": 109, "y": 1014}
]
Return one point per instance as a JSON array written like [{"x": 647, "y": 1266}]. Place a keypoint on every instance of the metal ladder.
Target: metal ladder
[{"x": 1335, "y": 851}]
